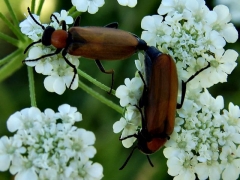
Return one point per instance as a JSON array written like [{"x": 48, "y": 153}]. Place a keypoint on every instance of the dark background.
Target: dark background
[{"x": 14, "y": 92}]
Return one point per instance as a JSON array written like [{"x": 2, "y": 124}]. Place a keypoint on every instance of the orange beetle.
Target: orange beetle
[
  {"x": 99, "y": 43},
  {"x": 159, "y": 100}
]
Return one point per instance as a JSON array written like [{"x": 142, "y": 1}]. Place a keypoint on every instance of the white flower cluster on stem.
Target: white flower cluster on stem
[
  {"x": 206, "y": 138},
  {"x": 47, "y": 145}
]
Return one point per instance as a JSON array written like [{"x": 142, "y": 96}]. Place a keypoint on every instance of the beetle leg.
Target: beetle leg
[
  {"x": 64, "y": 52},
  {"x": 149, "y": 160},
  {"x": 130, "y": 155},
  {"x": 30, "y": 45},
  {"x": 184, "y": 84},
  {"x": 133, "y": 135},
  {"x": 44, "y": 56},
  {"x": 77, "y": 21},
  {"x": 100, "y": 66},
  {"x": 63, "y": 24},
  {"x": 112, "y": 25}
]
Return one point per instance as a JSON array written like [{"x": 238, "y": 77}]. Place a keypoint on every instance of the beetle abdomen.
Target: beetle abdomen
[{"x": 102, "y": 43}]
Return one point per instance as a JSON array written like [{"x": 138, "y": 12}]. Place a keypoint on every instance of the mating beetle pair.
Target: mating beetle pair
[{"x": 159, "y": 98}]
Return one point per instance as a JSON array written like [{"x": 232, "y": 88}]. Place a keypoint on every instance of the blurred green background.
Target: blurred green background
[{"x": 14, "y": 92}]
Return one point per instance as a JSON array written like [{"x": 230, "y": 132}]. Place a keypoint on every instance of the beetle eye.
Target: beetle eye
[{"x": 46, "y": 37}]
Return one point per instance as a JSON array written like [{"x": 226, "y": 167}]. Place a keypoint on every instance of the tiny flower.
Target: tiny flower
[
  {"x": 181, "y": 166},
  {"x": 230, "y": 159},
  {"x": 30, "y": 28},
  {"x": 69, "y": 114},
  {"x": 233, "y": 6},
  {"x": 63, "y": 16},
  {"x": 130, "y": 3},
  {"x": 211, "y": 169},
  {"x": 221, "y": 23},
  {"x": 131, "y": 92},
  {"x": 23, "y": 168},
  {"x": 140, "y": 64},
  {"x": 87, "y": 170},
  {"x": 88, "y": 5},
  {"x": 10, "y": 148}
]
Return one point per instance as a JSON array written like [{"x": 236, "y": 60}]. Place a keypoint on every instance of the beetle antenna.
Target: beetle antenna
[
  {"x": 125, "y": 163},
  {"x": 149, "y": 160},
  {"x": 51, "y": 18},
  {"x": 35, "y": 19},
  {"x": 32, "y": 45}
]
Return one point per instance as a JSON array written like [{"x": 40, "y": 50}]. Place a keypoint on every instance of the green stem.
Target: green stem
[
  {"x": 72, "y": 10},
  {"x": 33, "y": 6},
  {"x": 95, "y": 82},
  {"x": 12, "y": 66},
  {"x": 75, "y": 14},
  {"x": 40, "y": 6},
  {"x": 31, "y": 87},
  {"x": 13, "y": 28},
  {"x": 10, "y": 57},
  {"x": 100, "y": 97},
  {"x": 9, "y": 39},
  {"x": 14, "y": 17}
]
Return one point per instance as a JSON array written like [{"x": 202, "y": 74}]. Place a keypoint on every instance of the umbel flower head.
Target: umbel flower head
[
  {"x": 47, "y": 145},
  {"x": 59, "y": 73},
  {"x": 206, "y": 138}
]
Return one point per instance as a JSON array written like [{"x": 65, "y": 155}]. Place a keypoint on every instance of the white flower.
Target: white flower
[
  {"x": 231, "y": 162},
  {"x": 233, "y": 116},
  {"x": 23, "y": 168},
  {"x": 140, "y": 64},
  {"x": 41, "y": 138},
  {"x": 129, "y": 125},
  {"x": 221, "y": 66},
  {"x": 69, "y": 114},
  {"x": 181, "y": 166},
  {"x": 31, "y": 29},
  {"x": 128, "y": 129},
  {"x": 220, "y": 22},
  {"x": 156, "y": 30},
  {"x": 233, "y": 6},
  {"x": 131, "y": 92},
  {"x": 88, "y": 5},
  {"x": 130, "y": 3},
  {"x": 88, "y": 170},
  {"x": 63, "y": 16},
  {"x": 61, "y": 76},
  {"x": 10, "y": 148},
  {"x": 211, "y": 169},
  {"x": 24, "y": 119}
]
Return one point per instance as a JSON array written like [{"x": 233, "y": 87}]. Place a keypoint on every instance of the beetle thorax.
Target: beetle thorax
[{"x": 59, "y": 38}]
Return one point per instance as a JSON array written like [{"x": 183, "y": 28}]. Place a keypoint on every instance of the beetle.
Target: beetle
[
  {"x": 159, "y": 100},
  {"x": 99, "y": 43}
]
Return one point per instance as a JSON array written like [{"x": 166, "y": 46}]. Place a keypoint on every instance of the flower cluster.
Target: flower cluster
[
  {"x": 92, "y": 6},
  {"x": 59, "y": 73},
  {"x": 206, "y": 137},
  {"x": 130, "y": 3},
  {"x": 47, "y": 145},
  {"x": 88, "y": 5}
]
